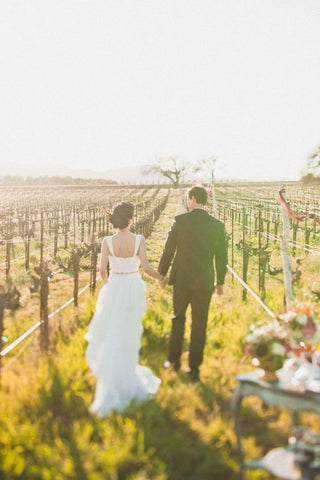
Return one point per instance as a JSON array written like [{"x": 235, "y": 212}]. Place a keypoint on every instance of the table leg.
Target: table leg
[
  {"x": 235, "y": 407},
  {"x": 295, "y": 418}
]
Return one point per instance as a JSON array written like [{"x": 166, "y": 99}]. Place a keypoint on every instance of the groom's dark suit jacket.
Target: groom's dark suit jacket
[{"x": 196, "y": 240}]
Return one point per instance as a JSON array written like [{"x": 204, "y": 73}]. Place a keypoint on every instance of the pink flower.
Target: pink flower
[
  {"x": 309, "y": 329},
  {"x": 287, "y": 347},
  {"x": 247, "y": 350}
]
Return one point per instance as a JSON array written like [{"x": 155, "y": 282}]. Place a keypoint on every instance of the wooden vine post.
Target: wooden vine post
[
  {"x": 44, "y": 273},
  {"x": 183, "y": 196},
  {"x": 287, "y": 272},
  {"x": 213, "y": 195},
  {"x": 245, "y": 255},
  {"x": 208, "y": 165},
  {"x": 265, "y": 257},
  {"x": 56, "y": 233},
  {"x": 44, "y": 294},
  {"x": 82, "y": 230},
  {"x": 76, "y": 255},
  {"x": 74, "y": 225},
  {"x": 9, "y": 240},
  {"x": 260, "y": 247},
  {"x": 307, "y": 233},
  {"x": 232, "y": 242},
  {"x": 94, "y": 256},
  {"x": 27, "y": 247},
  {"x": 41, "y": 237},
  {"x": 295, "y": 228}
]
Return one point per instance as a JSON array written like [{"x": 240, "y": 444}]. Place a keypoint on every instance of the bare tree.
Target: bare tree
[
  {"x": 172, "y": 168},
  {"x": 314, "y": 161},
  {"x": 207, "y": 167}
]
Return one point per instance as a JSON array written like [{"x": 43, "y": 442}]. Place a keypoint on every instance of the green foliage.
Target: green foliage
[
  {"x": 185, "y": 433},
  {"x": 310, "y": 179}
]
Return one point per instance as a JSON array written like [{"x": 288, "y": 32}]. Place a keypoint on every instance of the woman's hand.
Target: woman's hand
[
  {"x": 218, "y": 290},
  {"x": 163, "y": 282}
]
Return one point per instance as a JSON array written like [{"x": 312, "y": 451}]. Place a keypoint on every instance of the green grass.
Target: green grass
[{"x": 185, "y": 433}]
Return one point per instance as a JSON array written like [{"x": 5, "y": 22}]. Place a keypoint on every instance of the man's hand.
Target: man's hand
[
  {"x": 218, "y": 290},
  {"x": 164, "y": 282}
]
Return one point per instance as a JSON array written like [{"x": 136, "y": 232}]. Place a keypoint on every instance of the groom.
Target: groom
[{"x": 194, "y": 241}]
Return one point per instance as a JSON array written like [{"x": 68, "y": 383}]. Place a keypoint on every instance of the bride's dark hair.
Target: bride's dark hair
[{"x": 121, "y": 215}]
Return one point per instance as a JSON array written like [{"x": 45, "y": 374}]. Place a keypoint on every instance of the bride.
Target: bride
[{"x": 114, "y": 334}]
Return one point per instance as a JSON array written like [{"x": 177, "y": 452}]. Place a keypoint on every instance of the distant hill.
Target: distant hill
[
  {"x": 132, "y": 174},
  {"x": 128, "y": 174}
]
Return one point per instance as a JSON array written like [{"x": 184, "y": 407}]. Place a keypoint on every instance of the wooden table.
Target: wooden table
[{"x": 280, "y": 462}]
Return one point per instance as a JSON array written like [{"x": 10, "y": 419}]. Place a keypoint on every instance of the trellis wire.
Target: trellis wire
[
  {"x": 26, "y": 334},
  {"x": 246, "y": 286}
]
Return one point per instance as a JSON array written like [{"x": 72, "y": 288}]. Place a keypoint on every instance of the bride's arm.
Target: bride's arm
[
  {"x": 104, "y": 260},
  {"x": 145, "y": 265}
]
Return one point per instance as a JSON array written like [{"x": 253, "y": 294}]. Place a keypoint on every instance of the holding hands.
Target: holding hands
[
  {"x": 163, "y": 282},
  {"x": 218, "y": 290}
]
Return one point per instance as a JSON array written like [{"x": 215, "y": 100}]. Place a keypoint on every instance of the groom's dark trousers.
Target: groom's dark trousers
[{"x": 196, "y": 242}]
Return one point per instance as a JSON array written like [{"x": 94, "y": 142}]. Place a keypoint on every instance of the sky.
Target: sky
[{"x": 100, "y": 84}]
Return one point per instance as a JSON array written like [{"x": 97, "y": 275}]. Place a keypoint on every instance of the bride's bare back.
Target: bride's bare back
[{"x": 123, "y": 244}]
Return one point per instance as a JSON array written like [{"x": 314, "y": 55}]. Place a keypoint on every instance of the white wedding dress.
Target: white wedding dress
[{"x": 114, "y": 337}]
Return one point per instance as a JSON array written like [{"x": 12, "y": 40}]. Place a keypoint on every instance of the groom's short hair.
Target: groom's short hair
[{"x": 199, "y": 193}]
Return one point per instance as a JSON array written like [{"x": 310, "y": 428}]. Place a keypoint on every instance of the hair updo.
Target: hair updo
[{"x": 121, "y": 215}]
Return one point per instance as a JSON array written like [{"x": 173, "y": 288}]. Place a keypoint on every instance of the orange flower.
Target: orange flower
[{"x": 306, "y": 311}]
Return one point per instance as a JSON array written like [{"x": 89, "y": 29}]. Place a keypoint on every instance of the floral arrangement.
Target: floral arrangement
[
  {"x": 296, "y": 331},
  {"x": 268, "y": 345},
  {"x": 302, "y": 322}
]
